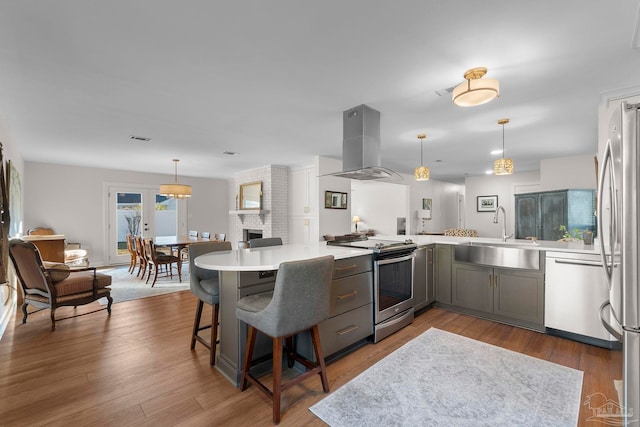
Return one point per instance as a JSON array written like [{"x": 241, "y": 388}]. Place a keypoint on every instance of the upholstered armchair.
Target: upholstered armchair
[{"x": 52, "y": 285}]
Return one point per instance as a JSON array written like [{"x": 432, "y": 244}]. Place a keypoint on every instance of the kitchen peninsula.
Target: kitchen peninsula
[{"x": 245, "y": 272}]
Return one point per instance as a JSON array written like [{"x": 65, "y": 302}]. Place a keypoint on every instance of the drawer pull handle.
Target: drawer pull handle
[
  {"x": 350, "y": 294},
  {"x": 347, "y": 267},
  {"x": 347, "y": 330},
  {"x": 265, "y": 274}
]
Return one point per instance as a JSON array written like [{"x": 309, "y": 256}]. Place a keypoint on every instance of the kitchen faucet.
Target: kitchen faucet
[{"x": 504, "y": 223}]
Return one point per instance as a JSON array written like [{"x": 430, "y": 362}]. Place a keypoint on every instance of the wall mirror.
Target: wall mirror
[
  {"x": 335, "y": 200},
  {"x": 251, "y": 195}
]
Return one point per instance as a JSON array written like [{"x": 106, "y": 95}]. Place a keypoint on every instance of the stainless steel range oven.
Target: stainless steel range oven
[{"x": 392, "y": 282}]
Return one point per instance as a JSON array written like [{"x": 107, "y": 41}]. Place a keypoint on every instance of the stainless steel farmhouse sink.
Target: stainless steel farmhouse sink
[{"x": 498, "y": 255}]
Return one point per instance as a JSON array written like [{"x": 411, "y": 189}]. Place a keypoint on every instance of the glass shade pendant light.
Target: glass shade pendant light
[
  {"x": 476, "y": 90},
  {"x": 175, "y": 190},
  {"x": 421, "y": 173},
  {"x": 503, "y": 166}
]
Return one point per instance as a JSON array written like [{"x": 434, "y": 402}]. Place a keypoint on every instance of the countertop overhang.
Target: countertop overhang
[{"x": 270, "y": 257}]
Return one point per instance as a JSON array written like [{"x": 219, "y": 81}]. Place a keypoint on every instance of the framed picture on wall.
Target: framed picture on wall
[
  {"x": 487, "y": 203},
  {"x": 335, "y": 200}
]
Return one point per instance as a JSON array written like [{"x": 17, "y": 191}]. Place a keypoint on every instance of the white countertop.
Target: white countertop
[
  {"x": 269, "y": 258},
  {"x": 542, "y": 245}
]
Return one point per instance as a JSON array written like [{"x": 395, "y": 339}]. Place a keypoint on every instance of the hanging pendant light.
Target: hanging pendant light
[
  {"x": 175, "y": 190},
  {"x": 421, "y": 173},
  {"x": 476, "y": 90},
  {"x": 503, "y": 166}
]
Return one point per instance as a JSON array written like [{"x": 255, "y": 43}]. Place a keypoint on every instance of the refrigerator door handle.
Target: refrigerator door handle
[
  {"x": 606, "y": 167},
  {"x": 613, "y": 331}
]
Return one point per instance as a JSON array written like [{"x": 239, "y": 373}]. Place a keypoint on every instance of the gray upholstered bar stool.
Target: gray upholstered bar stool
[
  {"x": 299, "y": 301},
  {"x": 205, "y": 285},
  {"x": 266, "y": 241}
]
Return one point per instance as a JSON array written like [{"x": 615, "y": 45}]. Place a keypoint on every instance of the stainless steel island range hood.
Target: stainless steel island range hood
[{"x": 361, "y": 146}]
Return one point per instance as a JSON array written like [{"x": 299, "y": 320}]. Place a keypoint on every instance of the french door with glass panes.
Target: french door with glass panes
[{"x": 141, "y": 211}]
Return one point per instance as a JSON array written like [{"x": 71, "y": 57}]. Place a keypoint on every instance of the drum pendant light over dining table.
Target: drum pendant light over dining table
[{"x": 175, "y": 190}]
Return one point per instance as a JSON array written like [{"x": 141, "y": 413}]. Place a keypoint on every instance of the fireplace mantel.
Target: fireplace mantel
[{"x": 241, "y": 213}]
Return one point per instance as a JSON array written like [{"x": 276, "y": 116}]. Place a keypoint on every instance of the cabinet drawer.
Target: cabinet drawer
[
  {"x": 341, "y": 331},
  {"x": 351, "y": 292},
  {"x": 248, "y": 278},
  {"x": 350, "y": 266}
]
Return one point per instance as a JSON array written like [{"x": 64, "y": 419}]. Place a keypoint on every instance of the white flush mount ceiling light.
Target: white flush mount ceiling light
[
  {"x": 503, "y": 166},
  {"x": 175, "y": 190},
  {"x": 476, "y": 90},
  {"x": 421, "y": 173}
]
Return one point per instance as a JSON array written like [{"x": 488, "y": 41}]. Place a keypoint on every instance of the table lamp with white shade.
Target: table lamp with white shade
[{"x": 356, "y": 220}]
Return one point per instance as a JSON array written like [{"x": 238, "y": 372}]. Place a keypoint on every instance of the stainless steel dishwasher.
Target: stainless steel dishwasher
[{"x": 574, "y": 289}]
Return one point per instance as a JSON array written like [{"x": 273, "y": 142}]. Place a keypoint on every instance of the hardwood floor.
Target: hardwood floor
[{"x": 136, "y": 368}]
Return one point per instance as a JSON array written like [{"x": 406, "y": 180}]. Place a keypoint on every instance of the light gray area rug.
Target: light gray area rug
[
  {"x": 444, "y": 379},
  {"x": 126, "y": 287}
]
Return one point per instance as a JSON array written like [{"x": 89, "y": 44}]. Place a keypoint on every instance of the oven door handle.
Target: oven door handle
[{"x": 394, "y": 260}]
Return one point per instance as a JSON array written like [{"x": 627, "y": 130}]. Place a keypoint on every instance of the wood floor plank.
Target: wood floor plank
[{"x": 135, "y": 367}]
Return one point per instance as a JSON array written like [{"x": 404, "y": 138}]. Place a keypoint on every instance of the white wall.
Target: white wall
[
  {"x": 379, "y": 204},
  {"x": 332, "y": 221},
  {"x": 568, "y": 172},
  {"x": 444, "y": 200},
  {"x": 70, "y": 200},
  {"x": 491, "y": 185}
]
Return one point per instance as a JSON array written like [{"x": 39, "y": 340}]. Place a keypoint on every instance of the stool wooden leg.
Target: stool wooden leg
[
  {"x": 317, "y": 347},
  {"x": 277, "y": 378},
  {"x": 215, "y": 315},
  {"x": 196, "y": 324},
  {"x": 248, "y": 355}
]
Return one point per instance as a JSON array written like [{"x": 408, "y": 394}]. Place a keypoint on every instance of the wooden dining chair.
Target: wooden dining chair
[
  {"x": 160, "y": 265},
  {"x": 205, "y": 235},
  {"x": 132, "y": 253},
  {"x": 221, "y": 236},
  {"x": 142, "y": 259},
  {"x": 193, "y": 233}
]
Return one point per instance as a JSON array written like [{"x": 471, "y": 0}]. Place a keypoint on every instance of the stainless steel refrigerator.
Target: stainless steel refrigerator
[{"x": 619, "y": 233}]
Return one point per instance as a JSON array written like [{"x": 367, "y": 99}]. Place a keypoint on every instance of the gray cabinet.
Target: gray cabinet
[
  {"x": 519, "y": 294},
  {"x": 351, "y": 308},
  {"x": 431, "y": 273},
  {"x": 443, "y": 259},
  {"x": 512, "y": 295},
  {"x": 472, "y": 286},
  {"x": 235, "y": 285},
  {"x": 423, "y": 277},
  {"x": 540, "y": 214}
]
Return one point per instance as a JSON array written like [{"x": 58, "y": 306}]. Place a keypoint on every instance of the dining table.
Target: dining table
[{"x": 179, "y": 242}]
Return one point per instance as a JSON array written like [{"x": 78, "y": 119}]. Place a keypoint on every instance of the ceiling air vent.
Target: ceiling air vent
[{"x": 139, "y": 138}]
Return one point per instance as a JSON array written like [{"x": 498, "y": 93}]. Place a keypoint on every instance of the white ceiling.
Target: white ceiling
[{"x": 269, "y": 79}]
